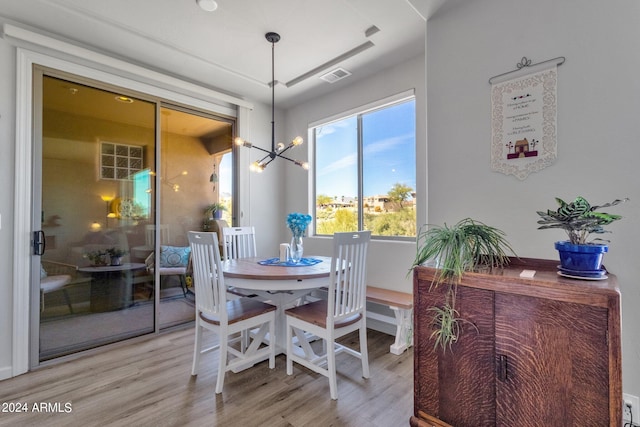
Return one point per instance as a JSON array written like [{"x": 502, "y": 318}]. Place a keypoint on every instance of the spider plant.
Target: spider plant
[
  {"x": 446, "y": 323},
  {"x": 466, "y": 246}
]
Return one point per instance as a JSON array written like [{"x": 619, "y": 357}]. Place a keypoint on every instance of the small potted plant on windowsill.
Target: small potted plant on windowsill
[
  {"x": 579, "y": 219},
  {"x": 467, "y": 246}
]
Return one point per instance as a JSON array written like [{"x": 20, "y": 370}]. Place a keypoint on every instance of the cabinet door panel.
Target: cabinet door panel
[
  {"x": 556, "y": 362},
  {"x": 457, "y": 384}
]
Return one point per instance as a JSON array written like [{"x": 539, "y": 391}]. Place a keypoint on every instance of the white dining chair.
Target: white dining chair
[
  {"x": 226, "y": 318},
  {"x": 343, "y": 311},
  {"x": 238, "y": 242}
]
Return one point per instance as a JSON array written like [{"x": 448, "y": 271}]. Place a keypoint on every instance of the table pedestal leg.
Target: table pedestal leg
[{"x": 282, "y": 300}]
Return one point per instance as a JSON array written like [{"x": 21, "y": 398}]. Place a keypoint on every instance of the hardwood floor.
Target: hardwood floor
[{"x": 148, "y": 383}]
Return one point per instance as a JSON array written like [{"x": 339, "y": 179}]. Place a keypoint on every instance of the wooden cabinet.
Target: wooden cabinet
[{"x": 533, "y": 352}]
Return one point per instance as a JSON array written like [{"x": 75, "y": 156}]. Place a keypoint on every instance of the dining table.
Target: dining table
[
  {"x": 281, "y": 284},
  {"x": 111, "y": 285}
]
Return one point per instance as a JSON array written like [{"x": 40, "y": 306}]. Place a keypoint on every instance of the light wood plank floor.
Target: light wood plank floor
[{"x": 148, "y": 383}]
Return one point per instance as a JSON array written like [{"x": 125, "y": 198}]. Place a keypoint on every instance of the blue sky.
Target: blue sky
[
  {"x": 389, "y": 152},
  {"x": 225, "y": 175}
]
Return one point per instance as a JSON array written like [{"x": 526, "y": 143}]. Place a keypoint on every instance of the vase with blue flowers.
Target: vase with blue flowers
[{"x": 297, "y": 223}]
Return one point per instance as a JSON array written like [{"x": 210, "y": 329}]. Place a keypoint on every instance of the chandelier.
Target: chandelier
[{"x": 277, "y": 150}]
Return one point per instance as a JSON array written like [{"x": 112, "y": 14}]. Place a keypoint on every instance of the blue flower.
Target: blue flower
[{"x": 298, "y": 223}]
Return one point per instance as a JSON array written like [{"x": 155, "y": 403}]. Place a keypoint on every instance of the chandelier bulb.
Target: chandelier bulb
[
  {"x": 257, "y": 166},
  {"x": 297, "y": 140},
  {"x": 303, "y": 165}
]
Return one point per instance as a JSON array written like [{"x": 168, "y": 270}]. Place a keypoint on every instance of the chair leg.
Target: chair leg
[
  {"x": 364, "y": 351},
  {"x": 68, "y": 300},
  {"x": 272, "y": 342},
  {"x": 196, "y": 347},
  {"x": 183, "y": 283},
  {"x": 331, "y": 368},
  {"x": 222, "y": 365},
  {"x": 289, "y": 349},
  {"x": 152, "y": 288}
]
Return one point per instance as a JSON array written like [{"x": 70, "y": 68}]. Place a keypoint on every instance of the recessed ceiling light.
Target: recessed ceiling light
[
  {"x": 124, "y": 99},
  {"x": 207, "y": 5}
]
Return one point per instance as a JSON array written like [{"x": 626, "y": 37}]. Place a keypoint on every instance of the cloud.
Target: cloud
[
  {"x": 386, "y": 144},
  {"x": 330, "y": 128},
  {"x": 370, "y": 150},
  {"x": 345, "y": 162}
]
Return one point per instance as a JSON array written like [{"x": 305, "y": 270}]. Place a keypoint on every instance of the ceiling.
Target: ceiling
[{"x": 226, "y": 49}]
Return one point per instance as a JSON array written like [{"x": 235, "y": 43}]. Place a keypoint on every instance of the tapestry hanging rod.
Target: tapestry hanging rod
[{"x": 524, "y": 62}]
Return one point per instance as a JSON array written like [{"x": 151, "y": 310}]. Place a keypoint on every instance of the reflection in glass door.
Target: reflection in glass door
[
  {"x": 112, "y": 265},
  {"x": 195, "y": 172},
  {"x": 98, "y": 154}
]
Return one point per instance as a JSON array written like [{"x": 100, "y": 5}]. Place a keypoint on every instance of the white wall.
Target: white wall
[
  {"x": 264, "y": 193},
  {"x": 388, "y": 261},
  {"x": 598, "y": 107}
]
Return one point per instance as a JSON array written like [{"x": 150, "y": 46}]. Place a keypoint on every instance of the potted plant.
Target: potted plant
[
  {"x": 96, "y": 258},
  {"x": 115, "y": 255},
  {"x": 214, "y": 210},
  {"x": 469, "y": 245},
  {"x": 579, "y": 256}
]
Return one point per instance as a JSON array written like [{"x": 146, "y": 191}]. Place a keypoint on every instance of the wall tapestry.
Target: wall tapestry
[{"x": 523, "y": 124}]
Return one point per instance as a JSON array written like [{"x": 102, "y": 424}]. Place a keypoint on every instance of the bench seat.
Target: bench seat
[{"x": 402, "y": 305}]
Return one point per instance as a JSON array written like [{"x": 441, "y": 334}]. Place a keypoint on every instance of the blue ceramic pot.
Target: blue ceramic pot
[{"x": 586, "y": 258}]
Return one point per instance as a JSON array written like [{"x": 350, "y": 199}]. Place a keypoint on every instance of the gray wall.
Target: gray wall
[{"x": 598, "y": 107}]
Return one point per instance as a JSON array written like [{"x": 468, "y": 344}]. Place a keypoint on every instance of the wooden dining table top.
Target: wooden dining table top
[{"x": 249, "y": 268}]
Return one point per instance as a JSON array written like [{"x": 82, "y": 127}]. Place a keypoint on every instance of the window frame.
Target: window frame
[{"x": 359, "y": 112}]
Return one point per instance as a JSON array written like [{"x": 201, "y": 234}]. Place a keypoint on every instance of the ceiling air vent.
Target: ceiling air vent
[{"x": 335, "y": 75}]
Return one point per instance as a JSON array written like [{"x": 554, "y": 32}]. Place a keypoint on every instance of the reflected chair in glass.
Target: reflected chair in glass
[
  {"x": 55, "y": 276},
  {"x": 150, "y": 240},
  {"x": 343, "y": 312},
  {"x": 229, "y": 319},
  {"x": 179, "y": 270}
]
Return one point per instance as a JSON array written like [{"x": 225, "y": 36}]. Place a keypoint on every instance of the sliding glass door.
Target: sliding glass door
[{"x": 112, "y": 265}]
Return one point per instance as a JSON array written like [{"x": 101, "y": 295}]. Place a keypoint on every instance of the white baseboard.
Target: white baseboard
[{"x": 6, "y": 372}]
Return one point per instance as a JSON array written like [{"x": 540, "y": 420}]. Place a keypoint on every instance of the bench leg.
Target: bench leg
[{"x": 404, "y": 331}]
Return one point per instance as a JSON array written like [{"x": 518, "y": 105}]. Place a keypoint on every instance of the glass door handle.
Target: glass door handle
[{"x": 39, "y": 242}]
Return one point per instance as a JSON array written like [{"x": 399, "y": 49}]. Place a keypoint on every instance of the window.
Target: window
[
  {"x": 119, "y": 161},
  {"x": 365, "y": 171}
]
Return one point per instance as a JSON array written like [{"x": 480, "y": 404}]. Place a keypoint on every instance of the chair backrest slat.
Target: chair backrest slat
[
  {"x": 239, "y": 242},
  {"x": 207, "y": 274},
  {"x": 347, "y": 286},
  {"x": 150, "y": 235}
]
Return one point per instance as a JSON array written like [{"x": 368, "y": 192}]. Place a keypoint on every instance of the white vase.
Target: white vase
[{"x": 296, "y": 249}]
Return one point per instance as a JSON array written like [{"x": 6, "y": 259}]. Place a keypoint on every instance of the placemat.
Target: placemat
[{"x": 304, "y": 262}]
